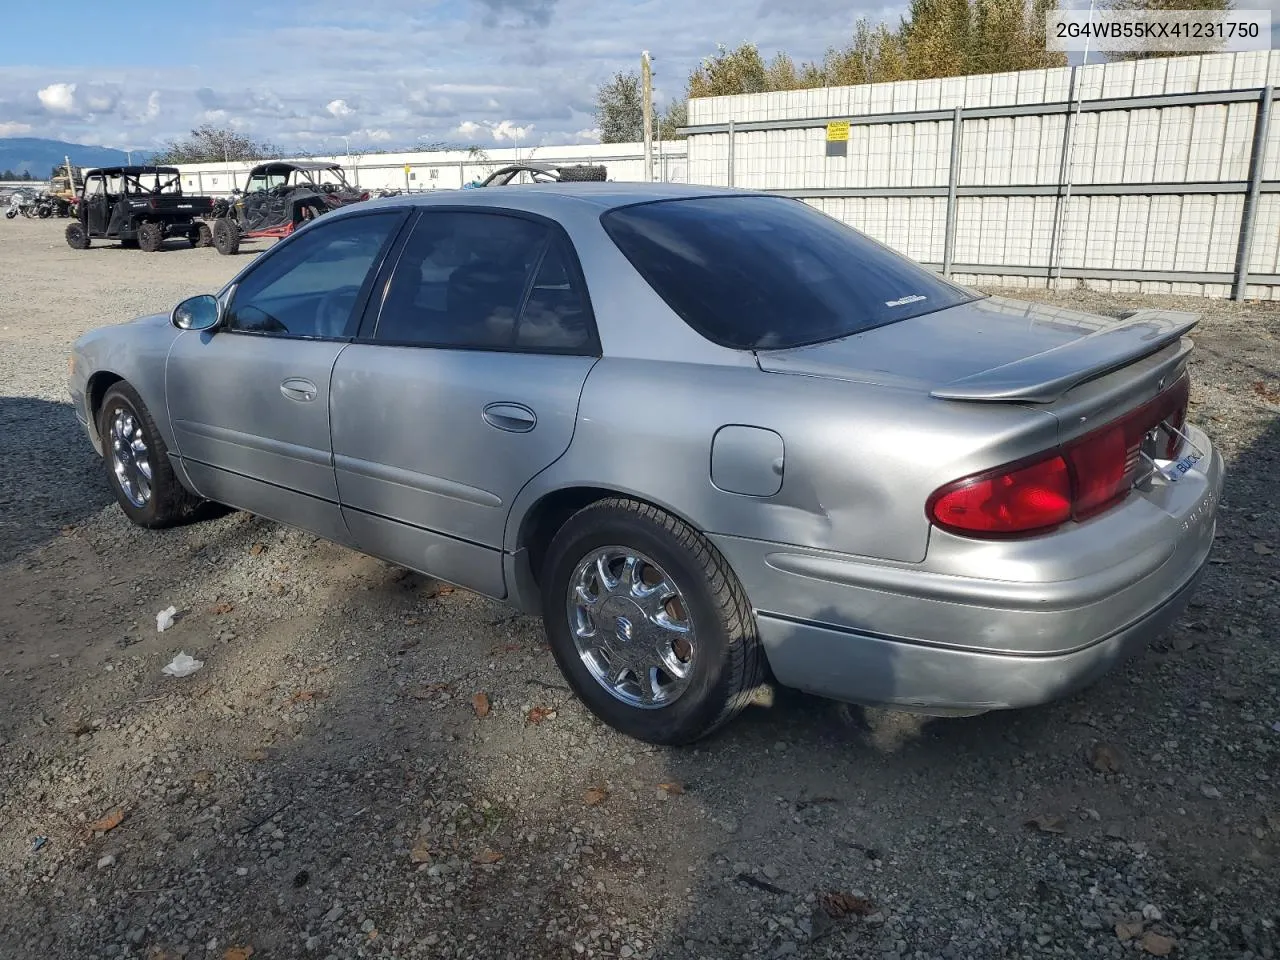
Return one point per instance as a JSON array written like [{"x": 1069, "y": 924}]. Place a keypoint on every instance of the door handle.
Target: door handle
[
  {"x": 296, "y": 388},
  {"x": 512, "y": 417}
]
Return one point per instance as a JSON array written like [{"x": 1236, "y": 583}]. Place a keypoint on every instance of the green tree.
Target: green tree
[
  {"x": 672, "y": 119},
  {"x": 741, "y": 70},
  {"x": 936, "y": 38},
  {"x": 619, "y": 109},
  {"x": 208, "y": 144},
  {"x": 875, "y": 54}
]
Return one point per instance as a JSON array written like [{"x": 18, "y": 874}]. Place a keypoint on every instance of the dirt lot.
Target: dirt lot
[{"x": 324, "y": 786}]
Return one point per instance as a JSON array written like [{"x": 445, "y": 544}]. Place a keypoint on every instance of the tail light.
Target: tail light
[{"x": 1075, "y": 482}]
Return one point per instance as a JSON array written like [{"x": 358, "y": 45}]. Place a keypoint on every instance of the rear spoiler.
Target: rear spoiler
[{"x": 1045, "y": 377}]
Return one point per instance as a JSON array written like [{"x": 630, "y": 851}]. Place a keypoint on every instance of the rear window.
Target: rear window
[{"x": 760, "y": 273}]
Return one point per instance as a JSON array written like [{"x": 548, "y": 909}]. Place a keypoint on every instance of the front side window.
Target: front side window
[
  {"x": 310, "y": 287},
  {"x": 759, "y": 273},
  {"x": 486, "y": 281}
]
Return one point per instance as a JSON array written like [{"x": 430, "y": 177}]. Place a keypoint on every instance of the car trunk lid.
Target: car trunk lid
[{"x": 989, "y": 350}]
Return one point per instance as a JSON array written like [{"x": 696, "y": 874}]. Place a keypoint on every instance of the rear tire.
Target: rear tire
[
  {"x": 709, "y": 659},
  {"x": 150, "y": 237},
  {"x": 226, "y": 236},
  {"x": 199, "y": 235},
  {"x": 137, "y": 462},
  {"x": 77, "y": 236}
]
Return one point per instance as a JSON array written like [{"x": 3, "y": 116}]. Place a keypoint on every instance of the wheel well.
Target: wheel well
[
  {"x": 548, "y": 515},
  {"x": 99, "y": 384}
]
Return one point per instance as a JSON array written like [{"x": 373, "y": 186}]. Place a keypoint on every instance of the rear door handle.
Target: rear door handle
[
  {"x": 296, "y": 388},
  {"x": 512, "y": 417}
]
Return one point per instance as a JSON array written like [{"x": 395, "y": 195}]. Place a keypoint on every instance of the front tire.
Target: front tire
[
  {"x": 648, "y": 623},
  {"x": 77, "y": 236},
  {"x": 150, "y": 237},
  {"x": 226, "y": 236},
  {"x": 137, "y": 462}
]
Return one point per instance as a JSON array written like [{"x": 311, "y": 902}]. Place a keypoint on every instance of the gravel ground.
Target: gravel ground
[{"x": 326, "y": 786}]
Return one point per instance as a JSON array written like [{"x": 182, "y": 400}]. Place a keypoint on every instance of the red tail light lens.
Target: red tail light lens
[
  {"x": 1084, "y": 478},
  {"x": 1033, "y": 497}
]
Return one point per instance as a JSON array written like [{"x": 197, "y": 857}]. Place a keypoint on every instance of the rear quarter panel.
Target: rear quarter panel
[{"x": 860, "y": 460}]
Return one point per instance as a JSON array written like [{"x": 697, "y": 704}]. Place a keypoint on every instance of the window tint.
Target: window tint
[
  {"x": 758, "y": 273},
  {"x": 311, "y": 286},
  {"x": 555, "y": 317},
  {"x": 463, "y": 279}
]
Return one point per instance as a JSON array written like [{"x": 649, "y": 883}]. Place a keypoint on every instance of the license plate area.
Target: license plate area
[{"x": 1173, "y": 470}]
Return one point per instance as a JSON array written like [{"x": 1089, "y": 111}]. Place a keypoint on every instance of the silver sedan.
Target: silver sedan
[{"x": 714, "y": 438}]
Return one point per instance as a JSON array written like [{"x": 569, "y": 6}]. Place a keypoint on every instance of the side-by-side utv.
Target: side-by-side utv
[
  {"x": 278, "y": 197},
  {"x": 138, "y": 206}
]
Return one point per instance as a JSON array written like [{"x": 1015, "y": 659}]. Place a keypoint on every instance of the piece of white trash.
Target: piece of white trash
[
  {"x": 182, "y": 666},
  {"x": 164, "y": 619}
]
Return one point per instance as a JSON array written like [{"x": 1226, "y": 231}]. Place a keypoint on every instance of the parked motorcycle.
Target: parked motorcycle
[{"x": 20, "y": 202}]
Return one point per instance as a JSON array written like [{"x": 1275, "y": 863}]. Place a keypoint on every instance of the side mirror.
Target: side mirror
[{"x": 197, "y": 313}]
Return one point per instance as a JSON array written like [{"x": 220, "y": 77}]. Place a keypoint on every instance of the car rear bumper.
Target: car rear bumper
[
  {"x": 984, "y": 625},
  {"x": 845, "y": 665}
]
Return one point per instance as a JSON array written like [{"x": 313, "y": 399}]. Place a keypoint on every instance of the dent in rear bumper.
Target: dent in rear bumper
[{"x": 883, "y": 671}]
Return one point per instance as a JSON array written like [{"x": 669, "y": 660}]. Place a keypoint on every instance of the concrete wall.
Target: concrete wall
[
  {"x": 1138, "y": 147},
  {"x": 450, "y": 169}
]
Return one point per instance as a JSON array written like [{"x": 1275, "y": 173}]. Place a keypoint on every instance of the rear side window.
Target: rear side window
[
  {"x": 486, "y": 281},
  {"x": 761, "y": 273}
]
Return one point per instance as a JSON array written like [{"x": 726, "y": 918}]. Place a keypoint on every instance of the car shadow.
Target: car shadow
[{"x": 49, "y": 474}]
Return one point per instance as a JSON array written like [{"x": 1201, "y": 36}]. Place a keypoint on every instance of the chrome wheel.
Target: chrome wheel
[
  {"x": 631, "y": 627},
  {"x": 130, "y": 458}
]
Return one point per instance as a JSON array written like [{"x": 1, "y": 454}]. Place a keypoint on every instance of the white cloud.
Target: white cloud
[
  {"x": 153, "y": 106},
  {"x": 339, "y": 108},
  {"x": 508, "y": 130},
  {"x": 500, "y": 130},
  {"x": 14, "y": 129},
  {"x": 100, "y": 100},
  {"x": 591, "y": 135},
  {"x": 58, "y": 97},
  {"x": 377, "y": 135}
]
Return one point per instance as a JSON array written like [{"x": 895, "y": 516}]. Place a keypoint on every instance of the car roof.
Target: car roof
[
  {"x": 134, "y": 170},
  {"x": 550, "y": 199}
]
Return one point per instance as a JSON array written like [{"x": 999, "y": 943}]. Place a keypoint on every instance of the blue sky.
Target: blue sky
[{"x": 381, "y": 72}]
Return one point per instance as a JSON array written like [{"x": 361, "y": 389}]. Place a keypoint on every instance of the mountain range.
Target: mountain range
[{"x": 39, "y": 156}]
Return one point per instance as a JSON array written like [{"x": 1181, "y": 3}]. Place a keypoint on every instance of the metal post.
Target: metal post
[
  {"x": 730, "y": 153},
  {"x": 462, "y": 174},
  {"x": 1249, "y": 212},
  {"x": 1064, "y": 165},
  {"x": 646, "y": 79},
  {"x": 953, "y": 180}
]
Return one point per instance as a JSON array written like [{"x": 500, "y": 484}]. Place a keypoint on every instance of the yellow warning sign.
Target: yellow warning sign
[
  {"x": 837, "y": 131},
  {"x": 406, "y": 166}
]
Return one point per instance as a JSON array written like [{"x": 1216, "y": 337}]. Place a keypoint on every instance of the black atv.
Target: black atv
[
  {"x": 138, "y": 205},
  {"x": 279, "y": 197}
]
